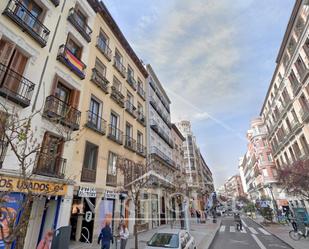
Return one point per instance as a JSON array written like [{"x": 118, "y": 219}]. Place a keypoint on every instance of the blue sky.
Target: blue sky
[{"x": 215, "y": 58}]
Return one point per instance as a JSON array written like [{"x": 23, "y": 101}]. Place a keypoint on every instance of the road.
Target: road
[{"x": 253, "y": 236}]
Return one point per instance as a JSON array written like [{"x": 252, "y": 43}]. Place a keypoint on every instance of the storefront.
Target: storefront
[{"x": 44, "y": 210}]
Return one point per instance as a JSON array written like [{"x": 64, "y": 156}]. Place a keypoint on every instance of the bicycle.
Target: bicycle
[{"x": 296, "y": 234}]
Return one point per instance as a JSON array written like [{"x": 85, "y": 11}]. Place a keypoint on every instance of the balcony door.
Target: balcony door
[
  {"x": 51, "y": 151},
  {"x": 114, "y": 125},
  {"x": 13, "y": 64},
  {"x": 94, "y": 113},
  {"x": 63, "y": 95}
]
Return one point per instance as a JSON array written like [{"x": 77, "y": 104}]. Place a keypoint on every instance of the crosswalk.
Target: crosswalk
[{"x": 245, "y": 229}]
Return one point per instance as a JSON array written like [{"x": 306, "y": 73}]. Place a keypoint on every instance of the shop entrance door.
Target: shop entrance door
[
  {"x": 88, "y": 220},
  {"x": 107, "y": 207},
  {"x": 162, "y": 213}
]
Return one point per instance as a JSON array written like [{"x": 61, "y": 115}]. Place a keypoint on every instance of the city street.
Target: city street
[{"x": 253, "y": 236}]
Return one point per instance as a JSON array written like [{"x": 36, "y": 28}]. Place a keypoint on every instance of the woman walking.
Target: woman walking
[
  {"x": 106, "y": 236},
  {"x": 124, "y": 235}
]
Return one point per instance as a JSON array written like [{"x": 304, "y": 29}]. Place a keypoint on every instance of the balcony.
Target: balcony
[
  {"x": 59, "y": 111},
  {"x": 104, "y": 48},
  {"x": 164, "y": 158},
  {"x": 141, "y": 150},
  {"x": 115, "y": 134},
  {"x": 28, "y": 23},
  {"x": 73, "y": 63},
  {"x": 130, "y": 108},
  {"x": 111, "y": 180},
  {"x": 141, "y": 118},
  {"x": 88, "y": 175},
  {"x": 100, "y": 80},
  {"x": 304, "y": 113},
  {"x": 15, "y": 87},
  {"x": 50, "y": 165},
  {"x": 55, "y": 2},
  {"x": 129, "y": 143},
  {"x": 295, "y": 125},
  {"x": 117, "y": 96},
  {"x": 120, "y": 67},
  {"x": 80, "y": 25},
  {"x": 159, "y": 111},
  {"x": 131, "y": 81},
  {"x": 141, "y": 92},
  {"x": 296, "y": 88},
  {"x": 96, "y": 123}
]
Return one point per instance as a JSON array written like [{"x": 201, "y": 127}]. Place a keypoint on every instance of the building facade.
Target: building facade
[
  {"x": 233, "y": 187},
  {"x": 43, "y": 46},
  {"x": 113, "y": 116},
  {"x": 286, "y": 108}
]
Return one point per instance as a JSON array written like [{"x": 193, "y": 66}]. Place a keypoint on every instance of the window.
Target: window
[
  {"x": 74, "y": 48},
  {"x": 63, "y": 93},
  {"x": 81, "y": 18},
  {"x": 112, "y": 164},
  {"x": 306, "y": 47},
  {"x": 117, "y": 84},
  {"x": 293, "y": 79},
  {"x": 130, "y": 98},
  {"x": 94, "y": 112},
  {"x": 103, "y": 39},
  {"x": 139, "y": 138},
  {"x": 130, "y": 72},
  {"x": 118, "y": 56},
  {"x": 140, "y": 108},
  {"x": 90, "y": 156},
  {"x": 129, "y": 130},
  {"x": 100, "y": 67},
  {"x": 114, "y": 120},
  {"x": 269, "y": 158},
  {"x": 35, "y": 10}
]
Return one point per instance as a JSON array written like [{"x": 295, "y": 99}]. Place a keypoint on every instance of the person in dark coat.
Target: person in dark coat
[{"x": 106, "y": 237}]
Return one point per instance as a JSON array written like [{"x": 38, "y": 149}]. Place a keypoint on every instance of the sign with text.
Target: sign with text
[
  {"x": 87, "y": 192},
  {"x": 12, "y": 184}
]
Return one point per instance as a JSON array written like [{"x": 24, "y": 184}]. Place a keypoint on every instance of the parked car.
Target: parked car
[{"x": 171, "y": 238}]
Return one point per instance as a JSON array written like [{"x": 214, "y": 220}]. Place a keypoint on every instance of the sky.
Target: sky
[{"x": 215, "y": 59}]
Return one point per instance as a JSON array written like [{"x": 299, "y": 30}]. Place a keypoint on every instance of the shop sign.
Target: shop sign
[
  {"x": 87, "y": 192},
  {"x": 11, "y": 184},
  {"x": 110, "y": 194},
  {"x": 88, "y": 216}
]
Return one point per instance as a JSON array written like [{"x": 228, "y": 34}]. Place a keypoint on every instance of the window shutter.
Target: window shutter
[
  {"x": 75, "y": 98},
  {"x": 6, "y": 51}
]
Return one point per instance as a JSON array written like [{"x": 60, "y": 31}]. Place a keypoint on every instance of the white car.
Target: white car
[{"x": 171, "y": 238}]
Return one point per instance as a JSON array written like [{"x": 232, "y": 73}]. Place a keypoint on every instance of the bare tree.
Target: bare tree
[{"x": 18, "y": 135}]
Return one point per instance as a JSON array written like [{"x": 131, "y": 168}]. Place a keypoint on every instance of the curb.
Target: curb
[
  {"x": 285, "y": 242},
  {"x": 206, "y": 244}
]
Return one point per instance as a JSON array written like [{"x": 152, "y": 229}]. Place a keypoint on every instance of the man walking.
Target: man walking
[{"x": 106, "y": 236}]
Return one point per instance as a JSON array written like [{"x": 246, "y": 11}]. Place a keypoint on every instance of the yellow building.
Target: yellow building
[{"x": 114, "y": 126}]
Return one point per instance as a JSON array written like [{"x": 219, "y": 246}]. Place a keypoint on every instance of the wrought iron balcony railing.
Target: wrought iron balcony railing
[
  {"x": 141, "y": 149},
  {"x": 115, "y": 134},
  {"x": 111, "y": 180},
  {"x": 117, "y": 96},
  {"x": 131, "y": 81},
  {"x": 104, "y": 48},
  {"x": 130, "y": 108},
  {"x": 100, "y": 80},
  {"x": 155, "y": 151},
  {"x": 141, "y": 118},
  {"x": 59, "y": 111},
  {"x": 141, "y": 92},
  {"x": 80, "y": 24},
  {"x": 96, "y": 122},
  {"x": 50, "y": 165},
  {"x": 129, "y": 143},
  {"x": 88, "y": 175},
  {"x": 15, "y": 87},
  {"x": 71, "y": 61},
  {"x": 120, "y": 67},
  {"x": 28, "y": 22}
]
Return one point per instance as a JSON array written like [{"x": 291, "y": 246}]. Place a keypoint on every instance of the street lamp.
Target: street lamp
[{"x": 273, "y": 199}]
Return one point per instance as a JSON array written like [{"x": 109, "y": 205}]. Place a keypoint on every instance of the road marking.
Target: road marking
[
  {"x": 222, "y": 228},
  {"x": 232, "y": 229},
  {"x": 252, "y": 230},
  {"x": 277, "y": 245},
  {"x": 244, "y": 223},
  {"x": 264, "y": 231},
  {"x": 243, "y": 230},
  {"x": 258, "y": 241}
]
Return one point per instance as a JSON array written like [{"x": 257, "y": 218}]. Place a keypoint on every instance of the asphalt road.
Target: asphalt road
[{"x": 253, "y": 236}]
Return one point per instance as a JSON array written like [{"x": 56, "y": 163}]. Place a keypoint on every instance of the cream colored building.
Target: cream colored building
[
  {"x": 286, "y": 106},
  {"x": 113, "y": 117}
]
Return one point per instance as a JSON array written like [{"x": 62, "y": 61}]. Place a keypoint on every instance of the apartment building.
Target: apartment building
[
  {"x": 199, "y": 176},
  {"x": 42, "y": 48},
  {"x": 257, "y": 168},
  {"x": 286, "y": 107},
  {"x": 113, "y": 116},
  {"x": 160, "y": 148},
  {"x": 178, "y": 152},
  {"x": 233, "y": 187}
]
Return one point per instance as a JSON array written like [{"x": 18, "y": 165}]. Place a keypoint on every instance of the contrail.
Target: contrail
[{"x": 217, "y": 121}]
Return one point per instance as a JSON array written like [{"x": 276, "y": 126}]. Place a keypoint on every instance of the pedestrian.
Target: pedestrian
[
  {"x": 46, "y": 242},
  {"x": 124, "y": 235},
  {"x": 198, "y": 216},
  {"x": 106, "y": 236},
  {"x": 238, "y": 221}
]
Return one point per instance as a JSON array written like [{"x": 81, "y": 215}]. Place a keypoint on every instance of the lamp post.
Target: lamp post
[{"x": 273, "y": 199}]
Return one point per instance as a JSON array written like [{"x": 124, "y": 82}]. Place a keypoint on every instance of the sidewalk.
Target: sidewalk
[
  {"x": 282, "y": 232},
  {"x": 203, "y": 234}
]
